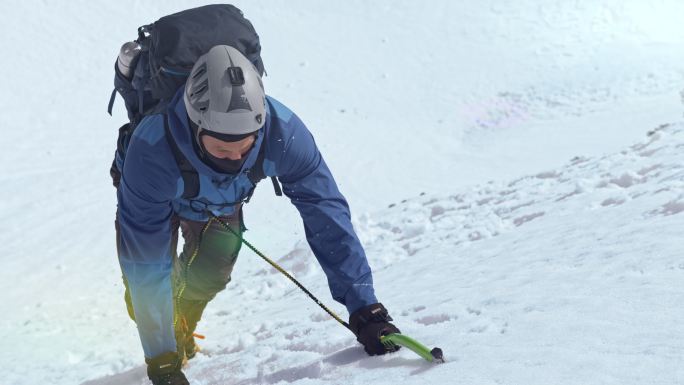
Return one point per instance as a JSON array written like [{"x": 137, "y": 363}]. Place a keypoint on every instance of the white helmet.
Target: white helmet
[{"x": 224, "y": 94}]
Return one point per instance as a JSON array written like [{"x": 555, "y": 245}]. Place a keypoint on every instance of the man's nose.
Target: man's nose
[{"x": 234, "y": 156}]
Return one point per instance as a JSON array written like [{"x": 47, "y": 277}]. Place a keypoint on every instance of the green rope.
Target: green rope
[{"x": 280, "y": 269}]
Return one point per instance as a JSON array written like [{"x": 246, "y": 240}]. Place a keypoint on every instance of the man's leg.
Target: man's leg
[
  {"x": 174, "y": 242},
  {"x": 203, "y": 269}
]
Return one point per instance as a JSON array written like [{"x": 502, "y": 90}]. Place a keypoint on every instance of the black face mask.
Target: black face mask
[{"x": 227, "y": 166}]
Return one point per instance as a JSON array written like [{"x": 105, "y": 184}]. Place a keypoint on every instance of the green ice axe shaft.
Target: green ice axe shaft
[{"x": 434, "y": 355}]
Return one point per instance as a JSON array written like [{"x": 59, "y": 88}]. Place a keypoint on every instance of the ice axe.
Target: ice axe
[
  {"x": 390, "y": 340},
  {"x": 434, "y": 355}
]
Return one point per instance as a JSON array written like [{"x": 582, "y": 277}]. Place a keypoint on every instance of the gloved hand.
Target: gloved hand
[
  {"x": 370, "y": 323},
  {"x": 165, "y": 369}
]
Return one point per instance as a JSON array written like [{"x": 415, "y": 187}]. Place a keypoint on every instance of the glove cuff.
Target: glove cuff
[{"x": 375, "y": 313}]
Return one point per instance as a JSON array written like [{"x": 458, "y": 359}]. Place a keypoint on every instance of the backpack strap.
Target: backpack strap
[
  {"x": 256, "y": 173},
  {"x": 276, "y": 186},
  {"x": 110, "y": 106},
  {"x": 190, "y": 176}
]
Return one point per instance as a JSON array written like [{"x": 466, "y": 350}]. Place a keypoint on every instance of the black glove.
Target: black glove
[
  {"x": 165, "y": 369},
  {"x": 370, "y": 323}
]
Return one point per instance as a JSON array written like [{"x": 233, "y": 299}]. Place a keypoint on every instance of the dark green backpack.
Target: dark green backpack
[{"x": 150, "y": 70}]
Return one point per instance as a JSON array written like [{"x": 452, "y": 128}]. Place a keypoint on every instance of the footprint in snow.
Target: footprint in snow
[
  {"x": 612, "y": 202},
  {"x": 548, "y": 175},
  {"x": 435, "y": 319},
  {"x": 312, "y": 371},
  {"x": 322, "y": 348},
  {"x": 412, "y": 231},
  {"x": 436, "y": 211},
  {"x": 320, "y": 317},
  {"x": 669, "y": 208},
  {"x": 478, "y": 329},
  {"x": 473, "y": 311},
  {"x": 526, "y": 218},
  {"x": 415, "y": 309}
]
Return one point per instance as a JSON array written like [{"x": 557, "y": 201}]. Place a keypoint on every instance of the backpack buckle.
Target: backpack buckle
[{"x": 144, "y": 29}]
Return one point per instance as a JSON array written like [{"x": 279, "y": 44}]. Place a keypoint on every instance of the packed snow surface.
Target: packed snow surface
[
  {"x": 514, "y": 169},
  {"x": 572, "y": 275}
]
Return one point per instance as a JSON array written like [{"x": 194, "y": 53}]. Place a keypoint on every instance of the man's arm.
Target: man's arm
[
  {"x": 309, "y": 184},
  {"x": 144, "y": 217}
]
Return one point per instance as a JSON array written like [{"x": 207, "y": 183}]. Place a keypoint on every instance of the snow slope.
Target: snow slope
[
  {"x": 569, "y": 276},
  {"x": 402, "y": 98}
]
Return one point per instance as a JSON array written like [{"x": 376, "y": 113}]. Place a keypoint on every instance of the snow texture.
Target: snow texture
[{"x": 514, "y": 169}]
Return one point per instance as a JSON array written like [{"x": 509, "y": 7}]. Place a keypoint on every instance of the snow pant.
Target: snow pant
[{"x": 202, "y": 269}]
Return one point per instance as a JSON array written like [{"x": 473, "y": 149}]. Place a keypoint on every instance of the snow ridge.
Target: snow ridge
[{"x": 584, "y": 184}]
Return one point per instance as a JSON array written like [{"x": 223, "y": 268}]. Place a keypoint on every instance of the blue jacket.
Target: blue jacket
[{"x": 150, "y": 194}]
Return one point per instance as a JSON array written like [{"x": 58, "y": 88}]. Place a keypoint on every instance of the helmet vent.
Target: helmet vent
[
  {"x": 199, "y": 90},
  {"x": 200, "y": 71}
]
